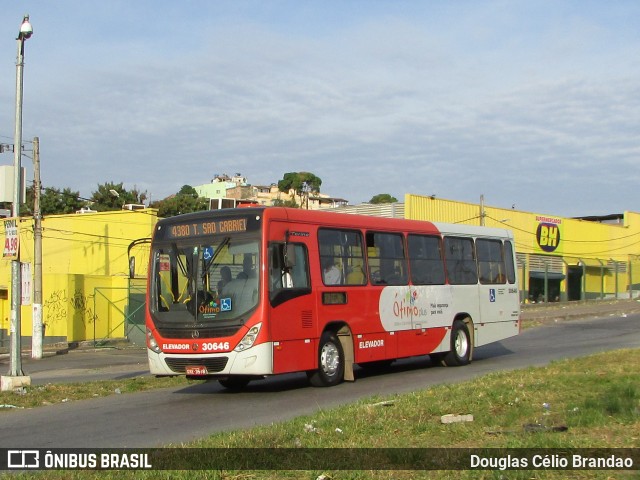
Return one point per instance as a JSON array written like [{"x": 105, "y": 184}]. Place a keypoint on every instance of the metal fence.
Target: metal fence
[{"x": 125, "y": 313}]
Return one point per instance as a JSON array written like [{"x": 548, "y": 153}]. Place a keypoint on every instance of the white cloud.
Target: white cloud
[{"x": 529, "y": 104}]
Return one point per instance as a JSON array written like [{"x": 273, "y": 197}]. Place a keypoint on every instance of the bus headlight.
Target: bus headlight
[
  {"x": 151, "y": 342},
  {"x": 249, "y": 339}
]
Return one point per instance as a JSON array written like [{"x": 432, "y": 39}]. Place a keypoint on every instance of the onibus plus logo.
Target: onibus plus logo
[{"x": 548, "y": 233}]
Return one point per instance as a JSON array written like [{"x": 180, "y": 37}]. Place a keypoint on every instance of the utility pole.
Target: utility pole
[
  {"x": 482, "y": 212},
  {"x": 36, "y": 338}
]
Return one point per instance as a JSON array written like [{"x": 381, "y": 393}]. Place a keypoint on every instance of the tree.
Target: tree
[
  {"x": 112, "y": 196},
  {"x": 53, "y": 201},
  {"x": 185, "y": 201},
  {"x": 188, "y": 190},
  {"x": 383, "y": 198},
  {"x": 302, "y": 183},
  {"x": 278, "y": 202},
  {"x": 109, "y": 196}
]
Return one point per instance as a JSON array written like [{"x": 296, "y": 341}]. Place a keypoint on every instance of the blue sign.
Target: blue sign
[
  {"x": 492, "y": 294},
  {"x": 225, "y": 304},
  {"x": 207, "y": 253}
]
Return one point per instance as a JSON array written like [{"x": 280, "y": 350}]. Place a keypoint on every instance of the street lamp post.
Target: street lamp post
[{"x": 26, "y": 30}]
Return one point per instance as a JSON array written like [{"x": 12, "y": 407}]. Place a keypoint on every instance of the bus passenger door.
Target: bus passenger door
[{"x": 291, "y": 318}]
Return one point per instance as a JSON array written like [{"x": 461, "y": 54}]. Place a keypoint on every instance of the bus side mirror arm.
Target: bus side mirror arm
[{"x": 132, "y": 267}]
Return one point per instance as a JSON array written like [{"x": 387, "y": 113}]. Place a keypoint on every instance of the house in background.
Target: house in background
[{"x": 226, "y": 192}]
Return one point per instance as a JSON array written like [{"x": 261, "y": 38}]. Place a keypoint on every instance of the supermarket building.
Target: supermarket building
[{"x": 559, "y": 259}]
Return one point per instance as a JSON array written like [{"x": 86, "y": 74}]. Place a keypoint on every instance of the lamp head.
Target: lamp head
[{"x": 26, "y": 30}]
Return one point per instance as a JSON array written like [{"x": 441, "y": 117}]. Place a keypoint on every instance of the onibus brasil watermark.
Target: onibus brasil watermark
[{"x": 182, "y": 458}]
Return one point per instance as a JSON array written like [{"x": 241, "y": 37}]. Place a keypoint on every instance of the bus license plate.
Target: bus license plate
[{"x": 197, "y": 371}]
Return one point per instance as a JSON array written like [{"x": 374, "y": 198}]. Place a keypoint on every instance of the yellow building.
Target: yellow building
[
  {"x": 86, "y": 290},
  {"x": 558, "y": 258}
]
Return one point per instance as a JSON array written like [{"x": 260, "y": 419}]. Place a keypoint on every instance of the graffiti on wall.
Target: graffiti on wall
[{"x": 60, "y": 306}]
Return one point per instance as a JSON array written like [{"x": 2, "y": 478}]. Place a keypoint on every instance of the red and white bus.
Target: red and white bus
[{"x": 240, "y": 294}]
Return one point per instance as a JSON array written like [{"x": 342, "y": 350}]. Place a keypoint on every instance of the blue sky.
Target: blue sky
[{"x": 534, "y": 104}]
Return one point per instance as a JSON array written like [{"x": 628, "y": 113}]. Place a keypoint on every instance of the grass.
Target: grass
[
  {"x": 42, "y": 395},
  {"x": 591, "y": 402}
]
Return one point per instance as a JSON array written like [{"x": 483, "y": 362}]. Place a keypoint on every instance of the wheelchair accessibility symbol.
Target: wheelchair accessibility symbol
[
  {"x": 492, "y": 294},
  {"x": 225, "y": 304}
]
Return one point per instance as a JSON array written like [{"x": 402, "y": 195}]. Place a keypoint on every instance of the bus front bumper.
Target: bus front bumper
[{"x": 257, "y": 360}]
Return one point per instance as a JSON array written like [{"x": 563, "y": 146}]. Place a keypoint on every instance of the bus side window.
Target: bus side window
[
  {"x": 491, "y": 267},
  {"x": 510, "y": 265},
  {"x": 341, "y": 257},
  {"x": 277, "y": 269},
  {"x": 425, "y": 258},
  {"x": 460, "y": 261},
  {"x": 289, "y": 274},
  {"x": 386, "y": 251}
]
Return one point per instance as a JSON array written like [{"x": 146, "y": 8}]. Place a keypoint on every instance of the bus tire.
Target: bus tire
[
  {"x": 460, "y": 353},
  {"x": 330, "y": 369},
  {"x": 234, "y": 384}
]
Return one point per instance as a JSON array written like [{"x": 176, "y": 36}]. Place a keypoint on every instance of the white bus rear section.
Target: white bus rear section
[{"x": 486, "y": 333}]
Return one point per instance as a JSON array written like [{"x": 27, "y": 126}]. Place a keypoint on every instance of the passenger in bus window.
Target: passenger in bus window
[
  {"x": 225, "y": 273},
  {"x": 247, "y": 268},
  {"x": 330, "y": 273}
]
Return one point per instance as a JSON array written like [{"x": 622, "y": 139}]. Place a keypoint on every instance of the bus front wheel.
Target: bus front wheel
[
  {"x": 460, "y": 353},
  {"x": 330, "y": 369}
]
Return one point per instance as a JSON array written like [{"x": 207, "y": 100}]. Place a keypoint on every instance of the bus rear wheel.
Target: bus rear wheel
[
  {"x": 330, "y": 369},
  {"x": 460, "y": 353}
]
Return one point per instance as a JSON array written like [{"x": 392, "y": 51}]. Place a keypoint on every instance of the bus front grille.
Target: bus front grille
[
  {"x": 195, "y": 332},
  {"x": 179, "y": 365}
]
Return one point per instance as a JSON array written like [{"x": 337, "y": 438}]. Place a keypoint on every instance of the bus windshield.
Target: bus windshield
[{"x": 204, "y": 283}]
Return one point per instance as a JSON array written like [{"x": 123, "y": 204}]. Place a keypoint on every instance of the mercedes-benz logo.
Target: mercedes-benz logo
[{"x": 195, "y": 334}]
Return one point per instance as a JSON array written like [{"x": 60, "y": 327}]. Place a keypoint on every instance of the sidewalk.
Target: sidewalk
[
  {"x": 552, "y": 312},
  {"x": 82, "y": 364},
  {"x": 123, "y": 360}
]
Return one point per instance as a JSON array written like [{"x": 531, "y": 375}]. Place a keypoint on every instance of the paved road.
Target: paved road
[
  {"x": 64, "y": 365},
  {"x": 175, "y": 415}
]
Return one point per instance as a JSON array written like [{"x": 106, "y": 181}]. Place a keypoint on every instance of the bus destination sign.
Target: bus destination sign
[{"x": 208, "y": 226}]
